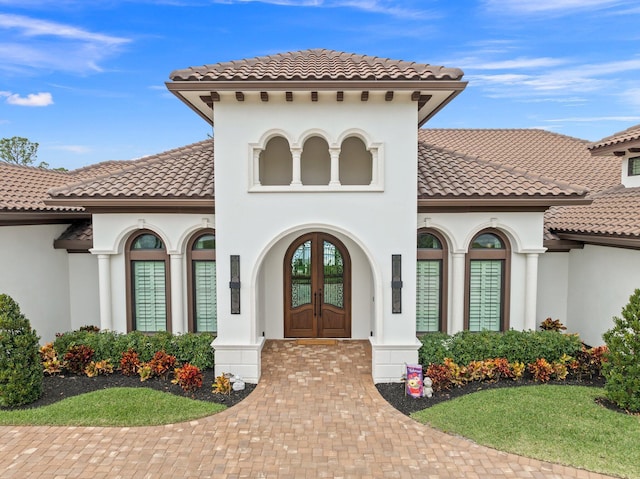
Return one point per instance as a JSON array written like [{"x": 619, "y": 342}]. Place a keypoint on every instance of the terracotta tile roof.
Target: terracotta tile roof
[
  {"x": 80, "y": 231},
  {"x": 446, "y": 173},
  {"x": 101, "y": 169},
  {"x": 630, "y": 134},
  {"x": 318, "y": 65},
  {"x": 560, "y": 157},
  {"x": 185, "y": 172},
  {"x": 24, "y": 188},
  {"x": 613, "y": 212}
]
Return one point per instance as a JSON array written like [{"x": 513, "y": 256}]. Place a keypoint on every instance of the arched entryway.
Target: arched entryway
[{"x": 317, "y": 288}]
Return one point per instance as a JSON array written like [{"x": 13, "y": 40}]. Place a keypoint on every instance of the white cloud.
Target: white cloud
[
  {"x": 32, "y": 99},
  {"x": 631, "y": 96},
  {"x": 78, "y": 149},
  {"x": 549, "y": 6},
  {"x": 513, "y": 64},
  {"x": 29, "y": 43},
  {"x": 395, "y": 8},
  {"x": 594, "y": 119}
]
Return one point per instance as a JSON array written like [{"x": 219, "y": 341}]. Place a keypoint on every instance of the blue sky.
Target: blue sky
[{"x": 85, "y": 79}]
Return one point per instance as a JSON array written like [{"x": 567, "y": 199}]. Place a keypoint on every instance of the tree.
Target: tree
[{"x": 19, "y": 151}]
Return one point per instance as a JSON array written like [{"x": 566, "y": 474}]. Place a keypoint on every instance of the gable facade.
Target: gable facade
[{"x": 302, "y": 219}]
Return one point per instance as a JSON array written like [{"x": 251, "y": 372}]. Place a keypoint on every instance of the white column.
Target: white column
[
  {"x": 530, "y": 291},
  {"x": 178, "y": 319},
  {"x": 456, "y": 323},
  {"x": 296, "y": 153},
  {"x": 335, "y": 166},
  {"x": 104, "y": 285}
]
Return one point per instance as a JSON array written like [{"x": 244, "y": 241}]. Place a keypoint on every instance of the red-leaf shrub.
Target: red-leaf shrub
[
  {"x": 440, "y": 375},
  {"x": 129, "y": 363},
  {"x": 541, "y": 370},
  {"x": 161, "y": 364},
  {"x": 188, "y": 377},
  {"x": 77, "y": 358}
]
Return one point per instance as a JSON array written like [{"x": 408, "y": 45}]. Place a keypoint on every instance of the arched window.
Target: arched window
[
  {"x": 201, "y": 270},
  {"x": 147, "y": 263},
  {"x": 488, "y": 275},
  {"x": 431, "y": 284},
  {"x": 315, "y": 162},
  {"x": 355, "y": 162},
  {"x": 276, "y": 164}
]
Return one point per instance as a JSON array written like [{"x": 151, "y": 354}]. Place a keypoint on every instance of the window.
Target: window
[
  {"x": 634, "y": 166},
  {"x": 201, "y": 270},
  {"x": 487, "y": 282},
  {"x": 431, "y": 283},
  {"x": 148, "y": 288}
]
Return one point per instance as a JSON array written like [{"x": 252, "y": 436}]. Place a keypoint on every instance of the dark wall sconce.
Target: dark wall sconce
[
  {"x": 396, "y": 283},
  {"x": 234, "y": 284}
]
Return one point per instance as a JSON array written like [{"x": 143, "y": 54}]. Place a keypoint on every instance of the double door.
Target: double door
[{"x": 317, "y": 288}]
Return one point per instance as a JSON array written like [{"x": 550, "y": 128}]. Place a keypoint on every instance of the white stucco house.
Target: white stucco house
[{"x": 302, "y": 219}]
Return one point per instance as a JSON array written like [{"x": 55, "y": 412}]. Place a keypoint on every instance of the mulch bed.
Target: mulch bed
[
  {"x": 394, "y": 393},
  {"x": 58, "y": 387}
]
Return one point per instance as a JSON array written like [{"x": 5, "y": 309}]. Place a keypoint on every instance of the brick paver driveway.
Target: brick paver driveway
[{"x": 315, "y": 414}]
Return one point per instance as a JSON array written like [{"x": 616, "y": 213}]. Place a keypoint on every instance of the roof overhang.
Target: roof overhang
[
  {"x": 470, "y": 203},
  {"x": 138, "y": 205},
  {"x": 617, "y": 149},
  {"x": 23, "y": 218},
  {"x": 630, "y": 242},
  {"x": 430, "y": 96}
]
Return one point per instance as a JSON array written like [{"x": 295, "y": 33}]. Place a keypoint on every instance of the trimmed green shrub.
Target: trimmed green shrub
[
  {"x": 20, "y": 368},
  {"x": 515, "y": 346},
  {"x": 193, "y": 348},
  {"x": 621, "y": 367}
]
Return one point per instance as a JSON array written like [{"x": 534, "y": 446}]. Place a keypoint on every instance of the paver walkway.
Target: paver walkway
[{"x": 315, "y": 414}]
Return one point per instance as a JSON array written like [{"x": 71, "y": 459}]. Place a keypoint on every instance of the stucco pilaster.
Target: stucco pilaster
[
  {"x": 178, "y": 319},
  {"x": 457, "y": 293},
  {"x": 530, "y": 290},
  {"x": 104, "y": 284}
]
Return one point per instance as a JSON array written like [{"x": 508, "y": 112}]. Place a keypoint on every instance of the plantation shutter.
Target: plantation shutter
[
  {"x": 205, "y": 303},
  {"x": 149, "y": 295},
  {"x": 485, "y": 295},
  {"x": 428, "y": 295}
]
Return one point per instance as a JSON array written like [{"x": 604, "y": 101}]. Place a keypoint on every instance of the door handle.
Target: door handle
[
  {"x": 315, "y": 302},
  {"x": 320, "y": 303}
]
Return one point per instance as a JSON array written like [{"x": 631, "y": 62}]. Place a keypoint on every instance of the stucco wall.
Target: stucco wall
[
  {"x": 253, "y": 224},
  {"x": 37, "y": 276},
  {"x": 601, "y": 279},
  {"x": 524, "y": 231},
  {"x": 553, "y": 287},
  {"x": 83, "y": 290},
  {"x": 110, "y": 232}
]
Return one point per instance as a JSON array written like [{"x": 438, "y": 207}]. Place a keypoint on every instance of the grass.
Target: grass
[
  {"x": 560, "y": 424},
  {"x": 113, "y": 407}
]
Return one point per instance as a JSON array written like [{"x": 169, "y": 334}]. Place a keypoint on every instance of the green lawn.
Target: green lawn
[
  {"x": 114, "y": 407},
  {"x": 561, "y": 424}
]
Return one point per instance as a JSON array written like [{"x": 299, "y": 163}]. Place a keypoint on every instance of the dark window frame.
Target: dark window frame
[
  {"x": 132, "y": 255},
  {"x": 503, "y": 254},
  {"x": 196, "y": 255},
  {"x": 442, "y": 254},
  {"x": 631, "y": 162}
]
